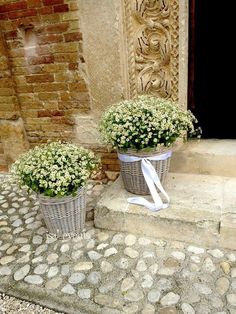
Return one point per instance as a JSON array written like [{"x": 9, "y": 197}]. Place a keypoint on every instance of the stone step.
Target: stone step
[
  {"x": 202, "y": 211},
  {"x": 214, "y": 157}
]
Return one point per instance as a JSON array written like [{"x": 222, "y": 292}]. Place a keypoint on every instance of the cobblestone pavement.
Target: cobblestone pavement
[{"x": 104, "y": 271}]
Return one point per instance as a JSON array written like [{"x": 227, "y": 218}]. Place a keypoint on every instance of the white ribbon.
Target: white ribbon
[{"x": 152, "y": 180}]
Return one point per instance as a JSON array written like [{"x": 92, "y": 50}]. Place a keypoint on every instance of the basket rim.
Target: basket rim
[
  {"x": 141, "y": 153},
  {"x": 60, "y": 200}
]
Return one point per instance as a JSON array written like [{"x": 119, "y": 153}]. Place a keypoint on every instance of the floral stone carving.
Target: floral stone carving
[{"x": 150, "y": 47}]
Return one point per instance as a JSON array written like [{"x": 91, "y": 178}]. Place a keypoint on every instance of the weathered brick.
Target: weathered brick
[
  {"x": 1, "y": 148},
  {"x": 104, "y": 167},
  {"x": 6, "y": 91},
  {"x": 20, "y": 71},
  {"x": 49, "y": 39},
  {"x": 51, "y": 18},
  {"x": 50, "y": 113},
  {"x": 11, "y": 34},
  {"x": 40, "y": 78},
  {"x": 63, "y": 120},
  {"x": 7, "y": 25},
  {"x": 79, "y": 86},
  {"x": 109, "y": 161},
  {"x": 55, "y": 68},
  {"x": 8, "y": 99},
  {"x": 3, "y": 168},
  {"x": 3, "y": 65},
  {"x": 65, "y": 47},
  {"x": 41, "y": 59},
  {"x": 55, "y": 28},
  {"x": 52, "y": 2},
  {"x": 24, "y": 13},
  {"x": 113, "y": 167},
  {"x": 48, "y": 96},
  {"x": 18, "y": 52},
  {"x": 29, "y": 113},
  {"x": 70, "y": 16},
  {"x": 74, "y": 6},
  {"x": 51, "y": 105},
  {"x": 77, "y": 36},
  {"x": 74, "y": 26},
  {"x": 45, "y": 10},
  {"x": 20, "y": 80},
  {"x": 18, "y": 62},
  {"x": 26, "y": 98},
  {"x": 5, "y": 82},
  {"x": 14, "y": 44},
  {"x": 50, "y": 87},
  {"x": 9, "y": 115},
  {"x": 20, "y": 5},
  {"x": 67, "y": 104},
  {"x": 44, "y": 50},
  {"x": 35, "y": 69},
  {"x": 61, "y": 8},
  {"x": 30, "y": 20},
  {"x": 35, "y": 104},
  {"x": 7, "y": 107},
  {"x": 34, "y": 127},
  {"x": 63, "y": 77},
  {"x": 69, "y": 57},
  {"x": 56, "y": 127},
  {"x": 34, "y": 3},
  {"x": 106, "y": 155},
  {"x": 3, "y": 16},
  {"x": 30, "y": 121},
  {"x": 24, "y": 89},
  {"x": 65, "y": 96}
]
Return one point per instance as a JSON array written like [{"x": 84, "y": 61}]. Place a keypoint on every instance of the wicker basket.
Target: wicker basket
[
  {"x": 64, "y": 215},
  {"x": 132, "y": 175}
]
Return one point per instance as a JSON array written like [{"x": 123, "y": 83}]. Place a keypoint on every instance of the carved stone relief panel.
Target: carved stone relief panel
[{"x": 152, "y": 42}]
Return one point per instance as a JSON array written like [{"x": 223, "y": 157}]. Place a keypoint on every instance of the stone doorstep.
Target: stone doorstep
[
  {"x": 201, "y": 211},
  {"x": 214, "y": 157}
]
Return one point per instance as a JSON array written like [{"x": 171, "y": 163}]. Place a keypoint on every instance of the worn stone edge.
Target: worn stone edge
[
  {"x": 119, "y": 218},
  {"x": 47, "y": 298}
]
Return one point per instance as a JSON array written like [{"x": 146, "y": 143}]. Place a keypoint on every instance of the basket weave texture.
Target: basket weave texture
[
  {"x": 132, "y": 174},
  {"x": 64, "y": 215}
]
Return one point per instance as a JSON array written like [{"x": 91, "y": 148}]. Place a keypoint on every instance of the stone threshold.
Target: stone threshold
[
  {"x": 202, "y": 211},
  {"x": 213, "y": 157}
]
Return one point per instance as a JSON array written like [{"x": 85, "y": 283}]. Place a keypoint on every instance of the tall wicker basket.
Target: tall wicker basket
[
  {"x": 132, "y": 175},
  {"x": 64, "y": 215}
]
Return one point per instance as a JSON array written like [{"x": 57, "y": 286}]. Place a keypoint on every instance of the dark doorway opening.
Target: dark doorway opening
[{"x": 211, "y": 90}]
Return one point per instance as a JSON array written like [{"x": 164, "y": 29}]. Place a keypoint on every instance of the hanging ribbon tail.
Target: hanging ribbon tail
[
  {"x": 151, "y": 179},
  {"x": 142, "y": 202},
  {"x": 157, "y": 182}
]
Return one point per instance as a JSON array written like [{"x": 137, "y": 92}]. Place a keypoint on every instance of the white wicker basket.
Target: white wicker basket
[
  {"x": 64, "y": 215},
  {"x": 132, "y": 174}
]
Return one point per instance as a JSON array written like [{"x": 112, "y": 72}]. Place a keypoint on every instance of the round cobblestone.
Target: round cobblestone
[{"x": 109, "y": 271}]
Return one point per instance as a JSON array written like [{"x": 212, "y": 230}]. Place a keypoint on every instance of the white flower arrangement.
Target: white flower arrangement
[
  {"x": 55, "y": 169},
  {"x": 146, "y": 122}
]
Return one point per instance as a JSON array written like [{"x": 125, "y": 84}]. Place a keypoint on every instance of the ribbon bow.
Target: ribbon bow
[{"x": 152, "y": 180}]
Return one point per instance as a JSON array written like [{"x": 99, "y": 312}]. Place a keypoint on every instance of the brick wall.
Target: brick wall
[
  {"x": 44, "y": 47},
  {"x": 43, "y": 71},
  {"x": 9, "y": 106}
]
